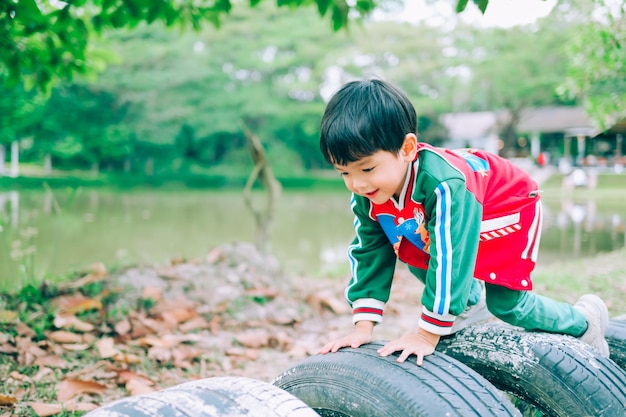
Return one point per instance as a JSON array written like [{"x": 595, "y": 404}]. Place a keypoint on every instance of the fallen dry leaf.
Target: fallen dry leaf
[
  {"x": 70, "y": 321},
  {"x": 89, "y": 369},
  {"x": 62, "y": 336},
  {"x": 19, "y": 377},
  {"x": 123, "y": 327},
  {"x": 42, "y": 373},
  {"x": 44, "y": 410},
  {"x": 23, "y": 330},
  {"x": 75, "y": 347},
  {"x": 28, "y": 352},
  {"x": 251, "y": 354},
  {"x": 179, "y": 315},
  {"x": 124, "y": 375},
  {"x": 165, "y": 341},
  {"x": 138, "y": 386},
  {"x": 8, "y": 349},
  {"x": 69, "y": 388},
  {"x": 326, "y": 299},
  {"x": 75, "y": 303},
  {"x": 159, "y": 353},
  {"x": 268, "y": 293},
  {"x": 215, "y": 324},
  {"x": 97, "y": 273},
  {"x": 143, "y": 325},
  {"x": 128, "y": 358},
  {"x": 154, "y": 293},
  {"x": 7, "y": 400},
  {"x": 214, "y": 255},
  {"x": 184, "y": 353},
  {"x": 167, "y": 272},
  {"x": 196, "y": 323},
  {"x": 106, "y": 347},
  {"x": 177, "y": 260},
  {"x": 254, "y": 339},
  {"x": 7, "y": 316},
  {"x": 280, "y": 341},
  {"x": 51, "y": 361}
]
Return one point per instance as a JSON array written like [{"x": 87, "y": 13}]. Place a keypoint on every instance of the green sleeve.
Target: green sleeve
[
  {"x": 454, "y": 227},
  {"x": 372, "y": 262}
]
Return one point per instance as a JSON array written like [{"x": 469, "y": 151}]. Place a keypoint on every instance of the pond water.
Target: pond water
[{"x": 50, "y": 233}]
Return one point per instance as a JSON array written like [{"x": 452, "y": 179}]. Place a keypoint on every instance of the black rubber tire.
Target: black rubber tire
[
  {"x": 559, "y": 375},
  {"x": 211, "y": 397},
  {"x": 616, "y": 336},
  {"x": 360, "y": 383}
]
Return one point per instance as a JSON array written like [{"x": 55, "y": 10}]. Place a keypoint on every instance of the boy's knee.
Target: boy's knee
[
  {"x": 508, "y": 314},
  {"x": 505, "y": 305}
]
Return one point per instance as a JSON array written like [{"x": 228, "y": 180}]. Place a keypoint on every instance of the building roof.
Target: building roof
[
  {"x": 569, "y": 120},
  {"x": 470, "y": 125},
  {"x": 618, "y": 127}
]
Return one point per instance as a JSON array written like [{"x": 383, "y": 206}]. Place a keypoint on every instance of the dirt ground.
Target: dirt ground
[
  {"x": 270, "y": 320},
  {"x": 233, "y": 313}
]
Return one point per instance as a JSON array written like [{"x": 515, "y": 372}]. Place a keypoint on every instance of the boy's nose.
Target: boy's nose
[{"x": 358, "y": 185}]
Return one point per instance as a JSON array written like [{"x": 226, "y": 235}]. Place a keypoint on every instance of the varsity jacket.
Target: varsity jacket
[{"x": 461, "y": 214}]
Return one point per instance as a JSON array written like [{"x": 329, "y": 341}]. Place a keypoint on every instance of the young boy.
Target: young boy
[{"x": 454, "y": 217}]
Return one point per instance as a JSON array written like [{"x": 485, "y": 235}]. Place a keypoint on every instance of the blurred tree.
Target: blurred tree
[
  {"x": 42, "y": 41},
  {"x": 16, "y": 105},
  {"x": 597, "y": 62},
  {"x": 509, "y": 70},
  {"x": 81, "y": 126}
]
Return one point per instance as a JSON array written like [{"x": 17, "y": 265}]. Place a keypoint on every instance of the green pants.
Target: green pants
[
  {"x": 532, "y": 311},
  {"x": 523, "y": 308}
]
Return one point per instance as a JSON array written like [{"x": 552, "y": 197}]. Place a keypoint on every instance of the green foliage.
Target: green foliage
[
  {"x": 31, "y": 305},
  {"x": 597, "y": 73},
  {"x": 172, "y": 102},
  {"x": 43, "y": 41},
  {"x": 146, "y": 304}
]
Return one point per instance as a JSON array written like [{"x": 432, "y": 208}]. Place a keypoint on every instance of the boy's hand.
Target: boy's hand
[
  {"x": 421, "y": 344},
  {"x": 362, "y": 334}
]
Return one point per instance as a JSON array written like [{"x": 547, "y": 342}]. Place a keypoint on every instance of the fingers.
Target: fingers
[
  {"x": 333, "y": 347},
  {"x": 390, "y": 348},
  {"x": 406, "y": 351},
  {"x": 420, "y": 359},
  {"x": 326, "y": 348},
  {"x": 403, "y": 356}
]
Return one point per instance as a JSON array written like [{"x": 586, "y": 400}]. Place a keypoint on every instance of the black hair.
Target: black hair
[{"x": 365, "y": 117}]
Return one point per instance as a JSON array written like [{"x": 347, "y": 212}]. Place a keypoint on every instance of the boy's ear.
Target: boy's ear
[{"x": 409, "y": 147}]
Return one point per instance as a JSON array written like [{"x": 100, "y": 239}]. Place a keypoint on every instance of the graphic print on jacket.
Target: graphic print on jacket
[{"x": 408, "y": 223}]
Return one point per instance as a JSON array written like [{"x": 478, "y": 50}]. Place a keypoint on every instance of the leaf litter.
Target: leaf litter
[{"x": 68, "y": 349}]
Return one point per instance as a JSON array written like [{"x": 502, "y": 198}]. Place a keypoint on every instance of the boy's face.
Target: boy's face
[{"x": 378, "y": 177}]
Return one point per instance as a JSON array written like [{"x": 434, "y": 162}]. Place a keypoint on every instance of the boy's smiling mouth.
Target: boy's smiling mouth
[{"x": 371, "y": 194}]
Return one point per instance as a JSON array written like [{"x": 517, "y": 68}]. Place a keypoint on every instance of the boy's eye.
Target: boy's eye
[{"x": 368, "y": 169}]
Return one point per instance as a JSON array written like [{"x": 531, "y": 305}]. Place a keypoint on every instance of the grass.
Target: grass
[{"x": 604, "y": 275}]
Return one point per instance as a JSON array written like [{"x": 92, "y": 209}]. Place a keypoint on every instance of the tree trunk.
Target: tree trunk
[
  {"x": 149, "y": 167},
  {"x": 2, "y": 156},
  {"x": 15, "y": 159},
  {"x": 47, "y": 165},
  {"x": 509, "y": 133},
  {"x": 261, "y": 172}
]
